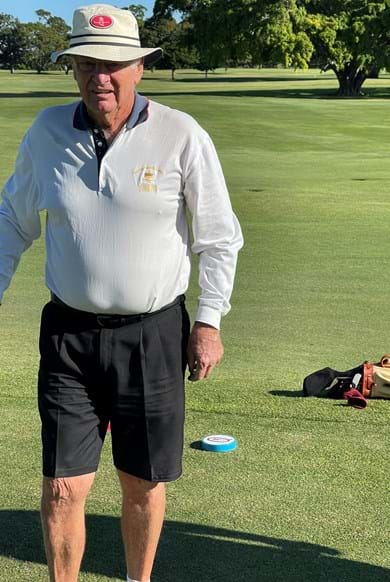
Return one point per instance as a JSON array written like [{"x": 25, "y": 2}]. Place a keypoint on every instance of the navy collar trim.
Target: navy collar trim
[{"x": 139, "y": 114}]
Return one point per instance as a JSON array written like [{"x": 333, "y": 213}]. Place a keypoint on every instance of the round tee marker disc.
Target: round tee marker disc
[{"x": 219, "y": 443}]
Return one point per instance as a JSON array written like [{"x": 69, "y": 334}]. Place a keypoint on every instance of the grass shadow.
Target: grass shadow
[
  {"x": 271, "y": 93},
  {"x": 197, "y": 445},
  {"x": 290, "y": 93},
  {"x": 249, "y": 79},
  {"x": 40, "y": 94},
  {"x": 288, "y": 393},
  {"x": 193, "y": 552}
]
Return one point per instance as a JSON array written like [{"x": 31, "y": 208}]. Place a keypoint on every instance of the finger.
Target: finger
[
  {"x": 190, "y": 359},
  {"x": 209, "y": 371},
  {"x": 196, "y": 374},
  {"x": 202, "y": 371},
  {"x": 193, "y": 377}
]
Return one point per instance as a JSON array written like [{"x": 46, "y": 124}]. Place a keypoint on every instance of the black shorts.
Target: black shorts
[{"x": 128, "y": 371}]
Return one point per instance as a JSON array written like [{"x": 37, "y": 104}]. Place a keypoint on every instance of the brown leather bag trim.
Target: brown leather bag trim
[{"x": 368, "y": 379}]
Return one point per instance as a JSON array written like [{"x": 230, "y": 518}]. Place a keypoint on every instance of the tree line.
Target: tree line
[
  {"x": 29, "y": 45},
  {"x": 349, "y": 37}
]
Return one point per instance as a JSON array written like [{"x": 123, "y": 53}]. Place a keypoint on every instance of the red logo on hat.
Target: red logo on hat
[{"x": 100, "y": 21}]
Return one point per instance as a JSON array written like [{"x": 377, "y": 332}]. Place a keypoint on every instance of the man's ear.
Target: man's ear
[
  {"x": 73, "y": 65},
  {"x": 140, "y": 72}
]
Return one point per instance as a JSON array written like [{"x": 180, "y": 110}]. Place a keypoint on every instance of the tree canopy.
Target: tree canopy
[
  {"x": 13, "y": 42},
  {"x": 29, "y": 45},
  {"x": 349, "y": 37}
]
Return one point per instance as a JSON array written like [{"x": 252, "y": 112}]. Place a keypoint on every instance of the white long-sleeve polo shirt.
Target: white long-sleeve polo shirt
[{"x": 117, "y": 239}]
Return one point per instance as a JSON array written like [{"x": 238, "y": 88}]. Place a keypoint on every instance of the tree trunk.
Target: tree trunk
[
  {"x": 373, "y": 73},
  {"x": 350, "y": 80},
  {"x": 173, "y": 74},
  {"x": 206, "y": 73}
]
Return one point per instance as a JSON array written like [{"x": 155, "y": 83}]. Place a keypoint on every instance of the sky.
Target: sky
[{"x": 24, "y": 10}]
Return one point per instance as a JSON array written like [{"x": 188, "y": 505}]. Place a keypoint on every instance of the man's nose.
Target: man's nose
[
  {"x": 101, "y": 68},
  {"x": 101, "y": 76}
]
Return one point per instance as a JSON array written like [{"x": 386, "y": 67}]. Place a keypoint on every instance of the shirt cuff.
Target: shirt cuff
[{"x": 209, "y": 315}]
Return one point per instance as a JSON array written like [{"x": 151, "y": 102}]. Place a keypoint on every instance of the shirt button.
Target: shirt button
[
  {"x": 95, "y": 130},
  {"x": 100, "y": 143}
]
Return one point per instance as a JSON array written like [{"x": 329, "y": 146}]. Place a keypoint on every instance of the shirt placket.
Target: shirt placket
[{"x": 101, "y": 146}]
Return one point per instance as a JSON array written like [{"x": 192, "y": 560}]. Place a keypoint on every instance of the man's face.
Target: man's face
[{"x": 107, "y": 88}]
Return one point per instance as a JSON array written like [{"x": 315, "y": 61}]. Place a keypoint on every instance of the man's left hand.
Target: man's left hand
[{"x": 205, "y": 350}]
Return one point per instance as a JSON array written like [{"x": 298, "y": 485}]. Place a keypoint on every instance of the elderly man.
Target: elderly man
[{"x": 115, "y": 174}]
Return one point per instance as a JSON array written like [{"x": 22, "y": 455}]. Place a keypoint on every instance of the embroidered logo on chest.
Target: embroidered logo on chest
[{"x": 147, "y": 178}]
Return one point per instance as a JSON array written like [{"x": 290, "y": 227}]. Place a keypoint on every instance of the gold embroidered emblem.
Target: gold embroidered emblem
[{"x": 147, "y": 178}]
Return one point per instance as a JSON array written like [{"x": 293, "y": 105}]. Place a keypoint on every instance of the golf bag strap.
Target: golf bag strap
[{"x": 368, "y": 379}]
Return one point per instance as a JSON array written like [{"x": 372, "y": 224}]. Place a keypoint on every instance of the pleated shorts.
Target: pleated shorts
[{"x": 126, "y": 370}]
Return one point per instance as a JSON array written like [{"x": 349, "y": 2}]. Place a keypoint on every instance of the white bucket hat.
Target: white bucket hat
[{"x": 106, "y": 33}]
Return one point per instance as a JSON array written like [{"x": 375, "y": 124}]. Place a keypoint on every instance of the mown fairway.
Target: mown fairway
[{"x": 305, "y": 497}]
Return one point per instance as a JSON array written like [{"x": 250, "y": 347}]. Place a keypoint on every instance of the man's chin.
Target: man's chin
[
  {"x": 100, "y": 114},
  {"x": 102, "y": 105}
]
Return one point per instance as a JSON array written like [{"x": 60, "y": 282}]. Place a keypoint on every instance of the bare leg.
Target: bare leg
[
  {"x": 143, "y": 508},
  {"x": 63, "y": 522}
]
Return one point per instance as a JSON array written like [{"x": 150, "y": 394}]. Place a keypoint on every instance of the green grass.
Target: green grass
[{"x": 305, "y": 496}]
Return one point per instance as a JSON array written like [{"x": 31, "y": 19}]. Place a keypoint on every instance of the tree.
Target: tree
[
  {"x": 172, "y": 37},
  {"x": 177, "y": 52},
  {"x": 249, "y": 31},
  {"x": 205, "y": 25},
  {"x": 165, "y": 32},
  {"x": 166, "y": 8},
  {"x": 351, "y": 38},
  {"x": 281, "y": 36},
  {"x": 139, "y": 12},
  {"x": 209, "y": 25},
  {"x": 13, "y": 42},
  {"x": 44, "y": 37},
  {"x": 42, "y": 44}
]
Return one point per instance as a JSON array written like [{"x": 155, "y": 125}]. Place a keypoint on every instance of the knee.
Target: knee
[
  {"x": 65, "y": 490},
  {"x": 139, "y": 490}
]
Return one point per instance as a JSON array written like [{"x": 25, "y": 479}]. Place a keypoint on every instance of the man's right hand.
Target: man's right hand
[{"x": 205, "y": 350}]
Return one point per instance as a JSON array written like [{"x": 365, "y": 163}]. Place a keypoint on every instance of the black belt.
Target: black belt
[{"x": 110, "y": 319}]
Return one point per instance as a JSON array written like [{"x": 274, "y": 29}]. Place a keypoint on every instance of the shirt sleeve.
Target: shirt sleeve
[
  {"x": 19, "y": 216},
  {"x": 216, "y": 231}
]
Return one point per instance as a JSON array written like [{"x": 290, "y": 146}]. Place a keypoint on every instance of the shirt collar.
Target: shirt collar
[{"x": 139, "y": 114}]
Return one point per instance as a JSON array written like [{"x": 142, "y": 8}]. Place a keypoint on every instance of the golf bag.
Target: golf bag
[{"x": 370, "y": 380}]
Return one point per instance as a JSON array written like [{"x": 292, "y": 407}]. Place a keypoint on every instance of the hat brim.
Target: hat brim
[{"x": 116, "y": 54}]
